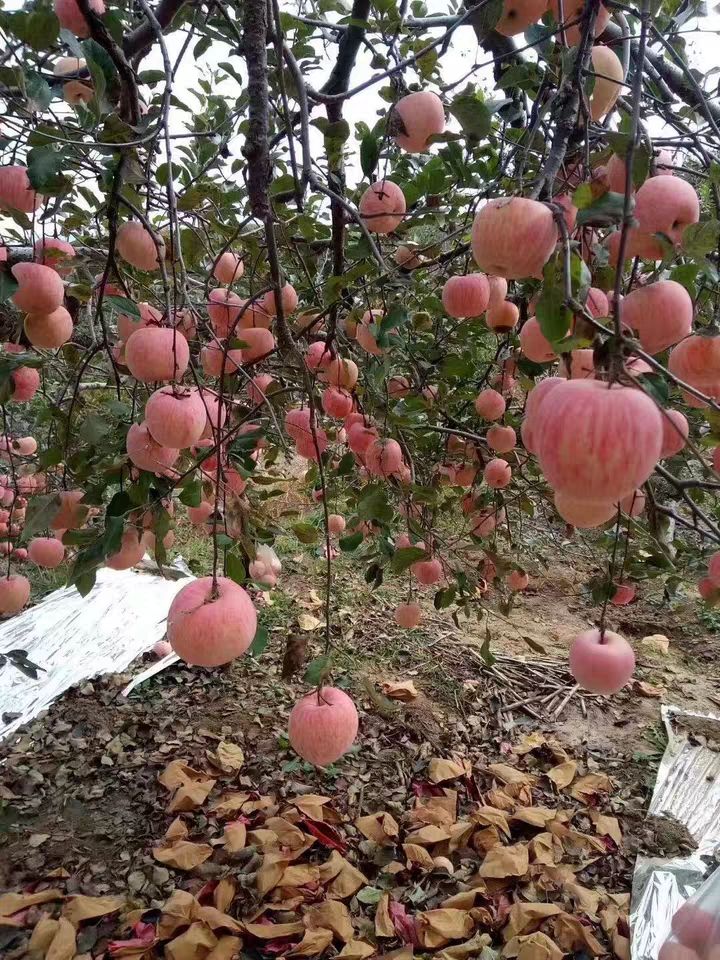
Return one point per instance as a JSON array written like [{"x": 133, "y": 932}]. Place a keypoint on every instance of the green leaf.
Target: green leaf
[
  {"x": 351, "y": 542},
  {"x": 553, "y": 317},
  {"x": 487, "y": 17},
  {"x": 686, "y": 274},
  {"x": 369, "y": 153},
  {"x": 656, "y": 385},
  {"x": 42, "y": 29},
  {"x": 444, "y": 598},
  {"x": 700, "y": 239},
  {"x": 85, "y": 582},
  {"x": 191, "y": 495},
  {"x": 485, "y": 651},
  {"x": 93, "y": 428},
  {"x": 259, "y": 644},
  {"x": 122, "y": 305},
  {"x": 374, "y": 504},
  {"x": 369, "y": 895},
  {"x": 120, "y": 504},
  {"x": 102, "y": 70},
  {"x": 404, "y": 558},
  {"x": 151, "y": 77},
  {"x": 235, "y": 568},
  {"x": 583, "y": 196},
  {"x": 38, "y": 91},
  {"x": 8, "y": 284},
  {"x": 45, "y": 170},
  {"x": 39, "y": 514},
  {"x": 306, "y": 532},
  {"x": 473, "y": 114},
  {"x": 317, "y": 670},
  {"x": 603, "y": 212}
]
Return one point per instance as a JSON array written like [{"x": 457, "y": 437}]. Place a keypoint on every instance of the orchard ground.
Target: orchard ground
[{"x": 79, "y": 783}]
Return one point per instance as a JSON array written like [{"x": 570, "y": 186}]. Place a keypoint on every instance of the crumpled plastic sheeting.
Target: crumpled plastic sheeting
[
  {"x": 73, "y": 638},
  {"x": 687, "y": 788}
]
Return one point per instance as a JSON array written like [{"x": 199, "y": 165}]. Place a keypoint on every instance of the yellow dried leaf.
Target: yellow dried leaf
[
  {"x": 542, "y": 849},
  {"x": 647, "y": 689},
  {"x": 588, "y": 787},
  {"x": 177, "y": 772},
  {"x": 229, "y": 756},
  {"x": 307, "y": 622},
  {"x": 429, "y": 834},
  {"x": 563, "y": 774},
  {"x": 572, "y": 935},
  {"x": 460, "y": 834},
  {"x": 183, "y": 855},
  {"x": 381, "y": 827},
  {"x": 79, "y": 908},
  {"x": 177, "y": 830},
  {"x": 300, "y": 875},
  {"x": 465, "y": 900},
  {"x": 287, "y": 833},
  {"x": 217, "y": 919},
  {"x": 313, "y": 805},
  {"x": 358, "y": 950},
  {"x": 491, "y": 817},
  {"x": 522, "y": 915},
  {"x": 334, "y": 916},
  {"x": 575, "y": 842},
  {"x": 441, "y": 770},
  {"x": 273, "y": 931},
  {"x": 586, "y": 901},
  {"x": 225, "y": 949},
  {"x": 313, "y": 943},
  {"x": 503, "y": 862},
  {"x": 437, "y": 927},
  {"x": 534, "y": 816},
  {"x": 507, "y": 774},
  {"x": 193, "y": 944},
  {"x": 347, "y": 882},
  {"x": 270, "y": 872},
  {"x": 42, "y": 935},
  {"x": 462, "y": 951},
  {"x": 12, "y": 902},
  {"x": 621, "y": 946},
  {"x": 529, "y": 743},
  {"x": 500, "y": 800},
  {"x": 607, "y": 826},
  {"x": 224, "y": 894},
  {"x": 404, "y": 690},
  {"x": 534, "y": 946},
  {"x": 265, "y": 840},
  {"x": 63, "y": 943},
  {"x": 235, "y": 835},
  {"x": 384, "y": 926},
  {"x": 230, "y": 804},
  {"x": 418, "y": 857}
]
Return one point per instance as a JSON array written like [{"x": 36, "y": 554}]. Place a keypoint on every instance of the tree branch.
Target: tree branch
[
  {"x": 138, "y": 42},
  {"x": 255, "y": 149}
]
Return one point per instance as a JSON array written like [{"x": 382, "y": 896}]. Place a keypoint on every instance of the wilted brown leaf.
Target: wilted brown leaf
[
  {"x": 229, "y": 757},
  {"x": 300, "y": 875},
  {"x": 429, "y": 834},
  {"x": 441, "y": 770},
  {"x": 563, "y": 774},
  {"x": 193, "y": 944},
  {"x": 587, "y": 788},
  {"x": 507, "y": 774},
  {"x": 177, "y": 830},
  {"x": 572, "y": 935},
  {"x": 79, "y": 908},
  {"x": 462, "y": 951},
  {"x": 491, "y": 816},
  {"x": 500, "y": 800},
  {"x": 177, "y": 772},
  {"x": 224, "y": 893},
  {"x": 382, "y": 828},
  {"x": 418, "y": 857},
  {"x": 288, "y": 834},
  {"x": 12, "y": 902},
  {"x": 235, "y": 835},
  {"x": 384, "y": 927},
  {"x": 523, "y": 915},
  {"x": 530, "y": 742},
  {"x": 358, "y": 950},
  {"x": 225, "y": 949},
  {"x": 334, "y": 916},
  {"x": 621, "y": 946},
  {"x": 647, "y": 689},
  {"x": 534, "y": 946},
  {"x": 63, "y": 944},
  {"x": 438, "y": 927},
  {"x": 307, "y": 622},
  {"x": 404, "y": 690},
  {"x": 607, "y": 826},
  {"x": 316, "y": 807},
  {"x": 503, "y": 862},
  {"x": 586, "y": 901},
  {"x": 183, "y": 855},
  {"x": 42, "y": 935},
  {"x": 313, "y": 943},
  {"x": 542, "y": 849},
  {"x": 534, "y": 816},
  {"x": 270, "y": 872},
  {"x": 274, "y": 931},
  {"x": 190, "y": 796}
]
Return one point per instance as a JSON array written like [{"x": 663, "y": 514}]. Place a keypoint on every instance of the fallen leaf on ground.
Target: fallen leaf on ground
[
  {"x": 404, "y": 690},
  {"x": 429, "y": 834},
  {"x": 542, "y": 849},
  {"x": 491, "y": 816},
  {"x": 529, "y": 742},
  {"x": 193, "y": 944},
  {"x": 316, "y": 807},
  {"x": 229, "y": 757},
  {"x": 313, "y": 943},
  {"x": 503, "y": 862},
  {"x": 587, "y": 788},
  {"x": 522, "y": 915},
  {"x": 274, "y": 931},
  {"x": 177, "y": 772},
  {"x": 656, "y": 643},
  {"x": 563, "y": 774},
  {"x": 647, "y": 689},
  {"x": 177, "y": 830},
  {"x": 79, "y": 908},
  {"x": 183, "y": 855},
  {"x": 334, "y": 916},
  {"x": 418, "y": 857},
  {"x": 307, "y": 622},
  {"x": 384, "y": 927},
  {"x": 461, "y": 951},
  {"x": 534, "y": 816},
  {"x": 190, "y": 796},
  {"x": 63, "y": 943},
  {"x": 535, "y": 946},
  {"x": 382, "y": 828},
  {"x": 42, "y": 935},
  {"x": 358, "y": 950},
  {"x": 225, "y": 949},
  {"x": 216, "y": 919},
  {"x": 437, "y": 927},
  {"x": 224, "y": 893},
  {"x": 12, "y": 902},
  {"x": 441, "y": 770},
  {"x": 235, "y": 835},
  {"x": 507, "y": 774},
  {"x": 607, "y": 826},
  {"x": 270, "y": 872},
  {"x": 572, "y": 935},
  {"x": 36, "y": 840}
]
